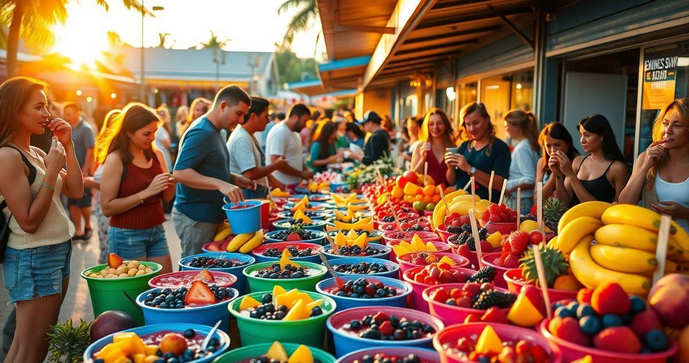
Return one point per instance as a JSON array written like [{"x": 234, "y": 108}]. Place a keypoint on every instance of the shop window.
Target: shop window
[{"x": 504, "y": 93}]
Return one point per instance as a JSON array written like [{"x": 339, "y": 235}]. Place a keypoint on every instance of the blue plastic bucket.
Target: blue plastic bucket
[
  {"x": 240, "y": 285},
  {"x": 246, "y": 220},
  {"x": 343, "y": 302},
  {"x": 393, "y": 268},
  {"x": 384, "y": 252}
]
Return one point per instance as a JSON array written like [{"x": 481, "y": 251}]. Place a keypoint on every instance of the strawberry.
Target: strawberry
[
  {"x": 381, "y": 316},
  {"x": 495, "y": 315},
  {"x": 584, "y": 296},
  {"x": 535, "y": 237},
  {"x": 610, "y": 298},
  {"x": 463, "y": 302},
  {"x": 472, "y": 288},
  {"x": 534, "y": 210},
  {"x": 464, "y": 220},
  {"x": 486, "y": 247},
  {"x": 512, "y": 261},
  {"x": 494, "y": 209},
  {"x": 114, "y": 261},
  {"x": 485, "y": 216},
  {"x": 518, "y": 240},
  {"x": 464, "y": 250},
  {"x": 495, "y": 218},
  {"x": 503, "y": 207},
  {"x": 204, "y": 275},
  {"x": 294, "y": 236},
  {"x": 440, "y": 295},
  {"x": 503, "y": 216},
  {"x": 199, "y": 293},
  {"x": 618, "y": 339},
  {"x": 386, "y": 328}
]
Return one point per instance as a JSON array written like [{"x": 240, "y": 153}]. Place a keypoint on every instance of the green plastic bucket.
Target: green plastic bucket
[
  {"x": 309, "y": 331},
  {"x": 308, "y": 283},
  {"x": 106, "y": 294},
  {"x": 255, "y": 351}
]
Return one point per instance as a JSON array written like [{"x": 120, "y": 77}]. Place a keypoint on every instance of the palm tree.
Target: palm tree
[
  {"x": 307, "y": 11},
  {"x": 33, "y": 20},
  {"x": 214, "y": 42},
  {"x": 162, "y": 37}
]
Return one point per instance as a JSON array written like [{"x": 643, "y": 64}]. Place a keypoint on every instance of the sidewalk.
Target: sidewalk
[{"x": 77, "y": 304}]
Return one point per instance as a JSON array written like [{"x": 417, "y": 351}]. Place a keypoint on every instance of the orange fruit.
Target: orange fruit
[
  {"x": 566, "y": 282},
  {"x": 429, "y": 190},
  {"x": 427, "y": 199},
  {"x": 397, "y": 192},
  {"x": 418, "y": 197},
  {"x": 436, "y": 198}
]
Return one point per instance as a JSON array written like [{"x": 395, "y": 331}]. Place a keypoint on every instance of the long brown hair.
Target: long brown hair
[
  {"x": 557, "y": 131},
  {"x": 205, "y": 101},
  {"x": 14, "y": 94},
  {"x": 134, "y": 116},
  {"x": 425, "y": 135},
  {"x": 104, "y": 136},
  {"x": 326, "y": 131},
  {"x": 527, "y": 124},
  {"x": 468, "y": 109},
  {"x": 681, "y": 106}
]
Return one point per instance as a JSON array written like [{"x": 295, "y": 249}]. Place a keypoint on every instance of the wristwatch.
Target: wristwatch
[{"x": 472, "y": 171}]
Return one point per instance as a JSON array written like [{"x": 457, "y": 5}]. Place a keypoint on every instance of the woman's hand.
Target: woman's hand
[
  {"x": 554, "y": 166},
  {"x": 457, "y": 161},
  {"x": 565, "y": 164},
  {"x": 673, "y": 209},
  {"x": 159, "y": 183},
  {"x": 424, "y": 148},
  {"x": 652, "y": 155},
  {"x": 61, "y": 129},
  {"x": 56, "y": 156}
]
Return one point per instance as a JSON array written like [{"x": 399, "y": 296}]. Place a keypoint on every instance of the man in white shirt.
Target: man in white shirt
[
  {"x": 284, "y": 141},
  {"x": 246, "y": 157}
]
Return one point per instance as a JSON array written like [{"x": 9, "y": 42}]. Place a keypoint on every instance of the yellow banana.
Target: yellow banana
[
  {"x": 587, "y": 209},
  {"x": 252, "y": 243},
  {"x": 623, "y": 259},
  {"x": 575, "y": 231},
  {"x": 625, "y": 235},
  {"x": 465, "y": 198},
  {"x": 223, "y": 234},
  {"x": 440, "y": 211},
  {"x": 238, "y": 241},
  {"x": 589, "y": 273}
]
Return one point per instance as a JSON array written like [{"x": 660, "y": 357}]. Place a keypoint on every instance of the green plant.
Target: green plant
[
  {"x": 68, "y": 342},
  {"x": 554, "y": 265},
  {"x": 367, "y": 174},
  {"x": 553, "y": 209}
]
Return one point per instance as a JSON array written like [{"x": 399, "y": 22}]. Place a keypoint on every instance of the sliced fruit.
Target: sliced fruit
[
  {"x": 288, "y": 299},
  {"x": 361, "y": 241},
  {"x": 400, "y": 250},
  {"x": 297, "y": 312},
  {"x": 114, "y": 261},
  {"x": 447, "y": 260},
  {"x": 248, "y": 302},
  {"x": 300, "y": 216},
  {"x": 524, "y": 313},
  {"x": 488, "y": 342},
  {"x": 407, "y": 245},
  {"x": 199, "y": 293},
  {"x": 255, "y": 241},
  {"x": 495, "y": 239},
  {"x": 352, "y": 235},
  {"x": 301, "y": 355},
  {"x": 304, "y": 297},
  {"x": 431, "y": 247},
  {"x": 277, "y": 352},
  {"x": 285, "y": 259},
  {"x": 278, "y": 290},
  {"x": 294, "y": 236},
  {"x": 204, "y": 275},
  {"x": 313, "y": 304},
  {"x": 340, "y": 239},
  {"x": 417, "y": 243}
]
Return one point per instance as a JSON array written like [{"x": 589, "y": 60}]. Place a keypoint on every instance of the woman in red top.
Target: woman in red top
[
  {"x": 435, "y": 136},
  {"x": 135, "y": 180}
]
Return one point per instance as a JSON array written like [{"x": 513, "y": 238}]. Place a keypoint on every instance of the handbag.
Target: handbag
[{"x": 5, "y": 222}]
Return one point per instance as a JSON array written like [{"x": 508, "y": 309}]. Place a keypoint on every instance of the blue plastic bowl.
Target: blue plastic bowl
[
  {"x": 425, "y": 355},
  {"x": 282, "y": 224},
  {"x": 246, "y": 220},
  {"x": 288, "y": 214},
  {"x": 172, "y": 327},
  {"x": 204, "y": 315},
  {"x": 320, "y": 240},
  {"x": 393, "y": 268},
  {"x": 346, "y": 343},
  {"x": 240, "y": 285},
  {"x": 404, "y": 290},
  {"x": 384, "y": 253},
  {"x": 336, "y": 187}
]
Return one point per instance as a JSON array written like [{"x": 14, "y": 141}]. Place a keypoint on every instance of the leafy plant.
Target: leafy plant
[
  {"x": 68, "y": 342},
  {"x": 368, "y": 175}
]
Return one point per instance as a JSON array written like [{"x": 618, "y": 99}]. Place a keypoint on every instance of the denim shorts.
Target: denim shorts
[
  {"x": 36, "y": 272},
  {"x": 83, "y": 202},
  {"x": 137, "y": 243}
]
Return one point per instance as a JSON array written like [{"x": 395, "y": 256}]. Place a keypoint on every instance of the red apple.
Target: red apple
[
  {"x": 533, "y": 294},
  {"x": 411, "y": 176},
  {"x": 402, "y": 181},
  {"x": 670, "y": 298}
]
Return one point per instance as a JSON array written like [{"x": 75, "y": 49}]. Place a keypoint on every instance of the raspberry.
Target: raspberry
[
  {"x": 503, "y": 216},
  {"x": 464, "y": 250},
  {"x": 518, "y": 241},
  {"x": 486, "y": 247},
  {"x": 534, "y": 209},
  {"x": 495, "y": 218},
  {"x": 503, "y": 207},
  {"x": 485, "y": 216},
  {"x": 535, "y": 237},
  {"x": 512, "y": 261},
  {"x": 464, "y": 220},
  {"x": 494, "y": 209}
]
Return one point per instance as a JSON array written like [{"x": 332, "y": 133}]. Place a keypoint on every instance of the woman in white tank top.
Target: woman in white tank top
[
  {"x": 36, "y": 262},
  {"x": 661, "y": 173}
]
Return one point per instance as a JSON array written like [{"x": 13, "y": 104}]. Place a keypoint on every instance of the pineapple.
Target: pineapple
[
  {"x": 554, "y": 265},
  {"x": 553, "y": 209}
]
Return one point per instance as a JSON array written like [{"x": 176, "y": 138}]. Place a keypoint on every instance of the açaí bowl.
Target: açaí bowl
[
  {"x": 371, "y": 236},
  {"x": 417, "y": 300},
  {"x": 259, "y": 251},
  {"x": 405, "y": 260},
  {"x": 439, "y": 247},
  {"x": 327, "y": 287},
  {"x": 204, "y": 315},
  {"x": 425, "y": 236},
  {"x": 320, "y": 239},
  {"x": 383, "y": 252},
  {"x": 346, "y": 342},
  {"x": 315, "y": 273},
  {"x": 246, "y": 260},
  {"x": 393, "y": 268},
  {"x": 315, "y": 225},
  {"x": 307, "y": 331},
  {"x": 288, "y": 214},
  {"x": 451, "y": 314},
  {"x": 245, "y": 354},
  {"x": 424, "y": 355},
  {"x": 514, "y": 281},
  {"x": 451, "y": 334},
  {"x": 178, "y": 279},
  {"x": 179, "y": 328}
]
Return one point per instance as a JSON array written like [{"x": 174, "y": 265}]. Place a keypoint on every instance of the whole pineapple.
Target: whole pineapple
[
  {"x": 554, "y": 265},
  {"x": 553, "y": 209}
]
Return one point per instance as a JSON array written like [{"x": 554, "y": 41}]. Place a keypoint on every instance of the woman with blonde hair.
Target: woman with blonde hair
[
  {"x": 435, "y": 136},
  {"x": 521, "y": 126},
  {"x": 661, "y": 173},
  {"x": 198, "y": 108},
  {"x": 162, "y": 142}
]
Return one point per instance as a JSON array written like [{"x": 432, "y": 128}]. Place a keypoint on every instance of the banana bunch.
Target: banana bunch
[
  {"x": 223, "y": 232},
  {"x": 458, "y": 202},
  {"x": 625, "y": 245},
  {"x": 245, "y": 242}
]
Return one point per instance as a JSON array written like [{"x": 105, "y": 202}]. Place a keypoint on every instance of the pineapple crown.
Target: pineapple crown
[{"x": 554, "y": 265}]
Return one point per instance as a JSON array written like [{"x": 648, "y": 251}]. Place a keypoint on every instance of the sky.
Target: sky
[{"x": 252, "y": 25}]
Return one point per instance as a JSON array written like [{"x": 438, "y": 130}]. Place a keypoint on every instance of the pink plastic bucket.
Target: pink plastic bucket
[{"x": 450, "y": 314}]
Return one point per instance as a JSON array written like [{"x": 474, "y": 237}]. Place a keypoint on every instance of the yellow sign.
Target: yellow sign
[{"x": 659, "y": 82}]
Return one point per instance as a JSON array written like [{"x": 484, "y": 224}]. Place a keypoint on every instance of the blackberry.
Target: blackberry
[
  {"x": 466, "y": 228},
  {"x": 483, "y": 233},
  {"x": 455, "y": 230},
  {"x": 493, "y": 298},
  {"x": 486, "y": 274}
]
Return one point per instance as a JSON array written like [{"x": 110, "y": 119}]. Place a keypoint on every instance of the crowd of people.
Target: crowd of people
[{"x": 233, "y": 148}]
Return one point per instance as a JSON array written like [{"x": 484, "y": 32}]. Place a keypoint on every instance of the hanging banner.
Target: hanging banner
[{"x": 660, "y": 71}]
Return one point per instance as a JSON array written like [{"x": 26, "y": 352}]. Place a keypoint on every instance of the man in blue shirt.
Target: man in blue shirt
[{"x": 203, "y": 171}]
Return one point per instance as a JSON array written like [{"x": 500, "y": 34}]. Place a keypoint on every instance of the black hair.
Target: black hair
[
  {"x": 557, "y": 131},
  {"x": 233, "y": 95},
  {"x": 355, "y": 129},
  {"x": 600, "y": 125},
  {"x": 299, "y": 110},
  {"x": 258, "y": 105},
  {"x": 278, "y": 115}
]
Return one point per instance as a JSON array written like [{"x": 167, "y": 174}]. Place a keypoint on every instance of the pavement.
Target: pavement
[{"x": 77, "y": 303}]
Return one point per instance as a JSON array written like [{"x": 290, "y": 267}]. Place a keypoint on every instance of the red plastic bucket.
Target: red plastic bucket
[
  {"x": 487, "y": 260},
  {"x": 418, "y": 303},
  {"x": 450, "y": 314}
]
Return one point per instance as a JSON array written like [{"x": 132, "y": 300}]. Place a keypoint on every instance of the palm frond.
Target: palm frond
[
  {"x": 39, "y": 20},
  {"x": 300, "y": 21},
  {"x": 288, "y": 4}
]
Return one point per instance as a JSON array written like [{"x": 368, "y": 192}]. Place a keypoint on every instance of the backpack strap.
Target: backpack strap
[{"x": 32, "y": 171}]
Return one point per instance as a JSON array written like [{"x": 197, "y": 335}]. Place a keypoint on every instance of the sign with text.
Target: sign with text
[{"x": 660, "y": 71}]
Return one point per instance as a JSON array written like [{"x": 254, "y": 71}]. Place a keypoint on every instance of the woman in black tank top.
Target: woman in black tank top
[{"x": 598, "y": 141}]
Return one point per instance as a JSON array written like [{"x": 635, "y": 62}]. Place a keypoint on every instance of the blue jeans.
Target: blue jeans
[
  {"x": 36, "y": 272},
  {"x": 136, "y": 243}
]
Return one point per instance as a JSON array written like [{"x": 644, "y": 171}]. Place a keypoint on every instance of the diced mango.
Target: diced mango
[
  {"x": 301, "y": 355},
  {"x": 524, "y": 313},
  {"x": 297, "y": 312},
  {"x": 288, "y": 299},
  {"x": 277, "y": 352},
  {"x": 400, "y": 250},
  {"x": 495, "y": 239},
  {"x": 151, "y": 350},
  {"x": 488, "y": 342},
  {"x": 140, "y": 358},
  {"x": 247, "y": 303},
  {"x": 447, "y": 260},
  {"x": 313, "y": 304}
]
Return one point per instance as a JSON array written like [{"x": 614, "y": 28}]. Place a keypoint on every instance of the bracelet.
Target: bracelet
[{"x": 43, "y": 184}]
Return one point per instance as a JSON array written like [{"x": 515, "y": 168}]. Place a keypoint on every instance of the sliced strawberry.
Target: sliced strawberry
[
  {"x": 114, "y": 261},
  {"x": 204, "y": 275},
  {"x": 199, "y": 293},
  {"x": 386, "y": 328},
  {"x": 534, "y": 210},
  {"x": 381, "y": 316},
  {"x": 294, "y": 236}
]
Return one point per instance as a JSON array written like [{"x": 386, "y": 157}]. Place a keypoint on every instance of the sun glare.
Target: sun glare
[{"x": 81, "y": 39}]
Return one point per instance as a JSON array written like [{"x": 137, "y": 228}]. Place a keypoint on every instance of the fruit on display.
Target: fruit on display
[
  {"x": 362, "y": 288},
  {"x": 499, "y": 214},
  {"x": 555, "y": 265},
  {"x": 612, "y": 320},
  {"x": 415, "y": 245},
  {"x": 467, "y": 238},
  {"x": 635, "y": 261},
  {"x": 277, "y": 354},
  {"x": 303, "y": 205},
  {"x": 440, "y": 273},
  {"x": 118, "y": 268},
  {"x": 294, "y": 233},
  {"x": 245, "y": 242},
  {"x": 524, "y": 312},
  {"x": 380, "y": 326},
  {"x": 281, "y": 305},
  {"x": 386, "y": 358},
  {"x": 425, "y": 258},
  {"x": 346, "y": 200},
  {"x": 214, "y": 262},
  {"x": 577, "y": 229},
  {"x": 293, "y": 251},
  {"x": 277, "y": 193},
  {"x": 199, "y": 294},
  {"x": 460, "y": 203},
  {"x": 553, "y": 210},
  {"x": 109, "y": 322},
  {"x": 300, "y": 216},
  {"x": 473, "y": 295},
  {"x": 285, "y": 269},
  {"x": 513, "y": 248},
  {"x": 628, "y": 236},
  {"x": 669, "y": 298},
  {"x": 363, "y": 224},
  {"x": 361, "y": 268},
  {"x": 224, "y": 232},
  {"x": 593, "y": 209},
  {"x": 488, "y": 347},
  {"x": 352, "y": 238}
]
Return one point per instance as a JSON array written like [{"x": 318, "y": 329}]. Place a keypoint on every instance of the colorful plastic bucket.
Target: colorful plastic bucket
[
  {"x": 487, "y": 260},
  {"x": 269, "y": 237},
  {"x": 167, "y": 280},
  {"x": 265, "y": 211},
  {"x": 514, "y": 284},
  {"x": 444, "y": 235},
  {"x": 572, "y": 352},
  {"x": 393, "y": 268},
  {"x": 171, "y": 327},
  {"x": 245, "y": 220},
  {"x": 417, "y": 301},
  {"x": 383, "y": 254},
  {"x": 505, "y": 228},
  {"x": 308, "y": 331},
  {"x": 460, "y": 261},
  {"x": 449, "y": 314},
  {"x": 283, "y": 224},
  {"x": 424, "y": 355},
  {"x": 240, "y": 285},
  {"x": 346, "y": 343},
  {"x": 451, "y": 334},
  {"x": 258, "y": 350},
  {"x": 372, "y": 236},
  {"x": 308, "y": 283},
  {"x": 204, "y": 315},
  {"x": 258, "y": 251},
  {"x": 338, "y": 187},
  {"x": 425, "y": 236},
  {"x": 108, "y": 294},
  {"x": 343, "y": 302}
]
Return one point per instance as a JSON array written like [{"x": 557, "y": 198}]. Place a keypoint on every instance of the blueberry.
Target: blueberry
[
  {"x": 564, "y": 312},
  {"x": 590, "y": 325},
  {"x": 611, "y": 320},
  {"x": 163, "y": 305},
  {"x": 656, "y": 340},
  {"x": 189, "y": 333},
  {"x": 585, "y": 310},
  {"x": 355, "y": 325},
  {"x": 573, "y": 306},
  {"x": 189, "y": 354},
  {"x": 316, "y": 311},
  {"x": 637, "y": 305},
  {"x": 213, "y": 342}
]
